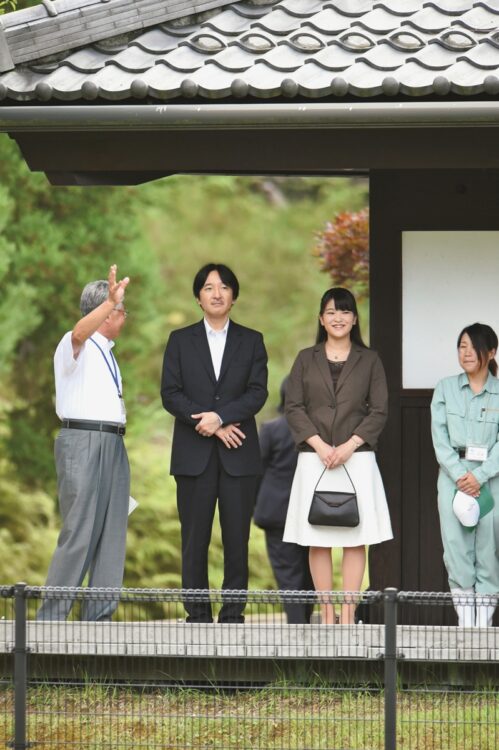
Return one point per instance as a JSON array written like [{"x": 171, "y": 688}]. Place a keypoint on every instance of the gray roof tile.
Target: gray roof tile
[
  {"x": 185, "y": 59},
  {"x": 284, "y": 58},
  {"x": 484, "y": 56},
  {"x": 157, "y": 40},
  {"x": 416, "y": 80},
  {"x": 278, "y": 22},
  {"x": 335, "y": 58},
  {"x": 314, "y": 81},
  {"x": 378, "y": 21},
  {"x": 385, "y": 57},
  {"x": 234, "y": 58},
  {"x": 466, "y": 79},
  {"x": 452, "y": 7},
  {"x": 230, "y": 23},
  {"x": 84, "y": 61},
  {"x": 429, "y": 19},
  {"x": 401, "y": 7},
  {"x": 352, "y": 8},
  {"x": 329, "y": 21},
  {"x": 253, "y": 49},
  {"x": 301, "y": 9},
  {"x": 434, "y": 57},
  {"x": 479, "y": 19}
]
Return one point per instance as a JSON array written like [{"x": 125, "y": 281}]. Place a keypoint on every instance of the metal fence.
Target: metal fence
[{"x": 144, "y": 677}]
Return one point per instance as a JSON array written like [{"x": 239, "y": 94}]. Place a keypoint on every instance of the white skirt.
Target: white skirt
[{"x": 374, "y": 526}]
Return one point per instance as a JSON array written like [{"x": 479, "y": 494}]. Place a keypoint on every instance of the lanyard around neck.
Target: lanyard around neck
[{"x": 114, "y": 369}]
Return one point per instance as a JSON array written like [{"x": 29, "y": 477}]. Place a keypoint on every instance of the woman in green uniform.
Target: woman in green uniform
[{"x": 465, "y": 430}]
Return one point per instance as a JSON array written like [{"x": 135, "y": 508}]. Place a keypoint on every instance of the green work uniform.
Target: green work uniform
[{"x": 460, "y": 418}]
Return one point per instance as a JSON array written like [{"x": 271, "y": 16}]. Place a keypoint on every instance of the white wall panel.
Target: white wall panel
[{"x": 449, "y": 280}]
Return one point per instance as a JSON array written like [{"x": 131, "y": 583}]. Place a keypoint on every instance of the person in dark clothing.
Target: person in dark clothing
[
  {"x": 214, "y": 382},
  {"x": 289, "y": 561}
]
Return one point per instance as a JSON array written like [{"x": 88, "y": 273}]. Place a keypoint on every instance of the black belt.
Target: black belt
[
  {"x": 461, "y": 452},
  {"x": 87, "y": 424}
]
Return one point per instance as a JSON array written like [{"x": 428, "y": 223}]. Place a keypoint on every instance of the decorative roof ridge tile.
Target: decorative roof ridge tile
[
  {"x": 6, "y": 62},
  {"x": 292, "y": 41},
  {"x": 445, "y": 36},
  {"x": 394, "y": 40},
  {"x": 342, "y": 41},
  {"x": 242, "y": 41},
  {"x": 44, "y": 9},
  {"x": 42, "y": 33},
  {"x": 217, "y": 42}
]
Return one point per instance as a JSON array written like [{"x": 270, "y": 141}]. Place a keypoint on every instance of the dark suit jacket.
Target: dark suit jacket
[
  {"x": 189, "y": 386},
  {"x": 279, "y": 458},
  {"x": 359, "y": 406}
]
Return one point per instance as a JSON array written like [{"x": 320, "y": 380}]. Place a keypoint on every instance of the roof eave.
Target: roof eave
[{"x": 157, "y": 117}]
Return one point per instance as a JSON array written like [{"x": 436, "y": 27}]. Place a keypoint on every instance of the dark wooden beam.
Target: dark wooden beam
[{"x": 255, "y": 151}]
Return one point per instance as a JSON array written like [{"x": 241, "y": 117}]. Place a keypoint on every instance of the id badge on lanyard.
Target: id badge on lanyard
[
  {"x": 476, "y": 451},
  {"x": 114, "y": 374}
]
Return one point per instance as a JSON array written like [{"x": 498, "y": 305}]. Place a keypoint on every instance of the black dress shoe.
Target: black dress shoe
[
  {"x": 193, "y": 618},
  {"x": 239, "y": 618}
]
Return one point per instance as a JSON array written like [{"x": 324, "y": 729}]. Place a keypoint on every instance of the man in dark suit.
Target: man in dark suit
[
  {"x": 289, "y": 561},
  {"x": 214, "y": 381}
]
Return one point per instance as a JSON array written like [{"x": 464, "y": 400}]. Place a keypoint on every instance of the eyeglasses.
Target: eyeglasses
[{"x": 121, "y": 310}]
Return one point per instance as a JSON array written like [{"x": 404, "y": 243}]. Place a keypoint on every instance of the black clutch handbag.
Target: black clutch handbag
[{"x": 332, "y": 508}]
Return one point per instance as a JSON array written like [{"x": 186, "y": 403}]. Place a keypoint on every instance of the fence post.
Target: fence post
[
  {"x": 20, "y": 668},
  {"x": 390, "y": 600}
]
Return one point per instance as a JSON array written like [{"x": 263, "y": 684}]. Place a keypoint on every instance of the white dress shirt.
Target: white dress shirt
[
  {"x": 216, "y": 342},
  {"x": 84, "y": 387}
]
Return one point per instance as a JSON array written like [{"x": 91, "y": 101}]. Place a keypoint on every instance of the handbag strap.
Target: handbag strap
[{"x": 343, "y": 467}]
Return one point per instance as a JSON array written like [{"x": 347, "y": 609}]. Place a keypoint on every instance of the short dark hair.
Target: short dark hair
[
  {"x": 226, "y": 274},
  {"x": 483, "y": 339},
  {"x": 343, "y": 300}
]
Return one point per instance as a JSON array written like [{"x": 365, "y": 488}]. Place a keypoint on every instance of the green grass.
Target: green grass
[{"x": 279, "y": 716}]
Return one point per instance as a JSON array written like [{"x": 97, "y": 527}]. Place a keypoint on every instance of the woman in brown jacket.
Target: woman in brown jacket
[{"x": 336, "y": 407}]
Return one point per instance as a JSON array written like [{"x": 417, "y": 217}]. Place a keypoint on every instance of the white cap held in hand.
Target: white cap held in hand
[{"x": 466, "y": 509}]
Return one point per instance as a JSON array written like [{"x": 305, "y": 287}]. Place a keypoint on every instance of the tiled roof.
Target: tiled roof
[{"x": 262, "y": 49}]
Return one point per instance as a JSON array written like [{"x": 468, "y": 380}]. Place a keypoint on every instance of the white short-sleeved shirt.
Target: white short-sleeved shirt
[{"x": 84, "y": 387}]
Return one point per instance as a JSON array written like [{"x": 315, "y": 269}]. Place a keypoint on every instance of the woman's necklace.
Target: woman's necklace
[{"x": 337, "y": 355}]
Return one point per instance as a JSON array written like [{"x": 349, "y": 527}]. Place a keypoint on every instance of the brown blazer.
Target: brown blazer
[{"x": 359, "y": 405}]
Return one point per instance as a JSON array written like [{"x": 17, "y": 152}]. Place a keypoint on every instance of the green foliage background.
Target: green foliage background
[{"x": 54, "y": 240}]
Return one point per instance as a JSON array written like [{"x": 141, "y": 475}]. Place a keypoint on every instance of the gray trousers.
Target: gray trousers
[{"x": 93, "y": 479}]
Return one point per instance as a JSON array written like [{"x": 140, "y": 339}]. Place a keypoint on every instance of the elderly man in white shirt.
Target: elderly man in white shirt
[{"x": 93, "y": 474}]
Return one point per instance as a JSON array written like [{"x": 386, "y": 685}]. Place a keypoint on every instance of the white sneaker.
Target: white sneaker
[
  {"x": 485, "y": 608},
  {"x": 464, "y": 604}
]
